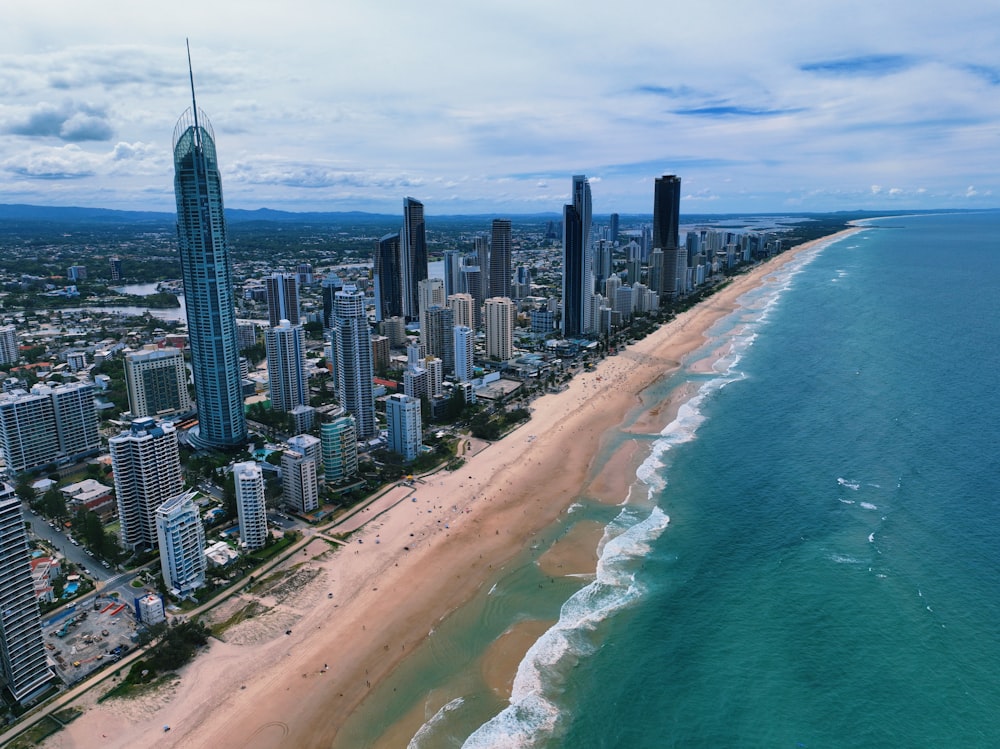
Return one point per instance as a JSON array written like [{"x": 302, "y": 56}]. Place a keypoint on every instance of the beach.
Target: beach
[{"x": 344, "y": 616}]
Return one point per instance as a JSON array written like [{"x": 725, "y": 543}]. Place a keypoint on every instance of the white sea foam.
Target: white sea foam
[
  {"x": 869, "y": 506},
  {"x": 428, "y": 728},
  {"x": 532, "y": 715},
  {"x": 574, "y": 507},
  {"x": 844, "y": 559},
  {"x": 871, "y": 537},
  {"x": 849, "y": 484},
  {"x": 845, "y": 501}
]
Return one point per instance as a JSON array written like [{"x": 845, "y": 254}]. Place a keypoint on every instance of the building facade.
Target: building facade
[
  {"x": 286, "y": 355},
  {"x": 402, "y": 414},
  {"x": 500, "y": 253},
  {"x": 339, "y": 442},
  {"x": 501, "y": 315},
  {"x": 666, "y": 218},
  {"x": 352, "y": 350},
  {"x": 47, "y": 425},
  {"x": 23, "y": 664},
  {"x": 181, "y": 539},
  {"x": 298, "y": 482},
  {"x": 147, "y": 469},
  {"x": 206, "y": 270},
  {"x": 9, "y": 353},
  {"x": 156, "y": 379},
  {"x": 250, "y": 506},
  {"x": 465, "y": 340},
  {"x": 578, "y": 283},
  {"x": 282, "y": 298},
  {"x": 413, "y": 256}
]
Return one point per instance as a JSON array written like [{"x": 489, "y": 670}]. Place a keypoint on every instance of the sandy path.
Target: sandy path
[{"x": 417, "y": 562}]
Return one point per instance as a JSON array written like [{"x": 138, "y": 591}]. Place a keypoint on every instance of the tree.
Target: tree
[{"x": 24, "y": 490}]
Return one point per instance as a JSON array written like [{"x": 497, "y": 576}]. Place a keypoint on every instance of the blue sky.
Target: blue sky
[{"x": 492, "y": 107}]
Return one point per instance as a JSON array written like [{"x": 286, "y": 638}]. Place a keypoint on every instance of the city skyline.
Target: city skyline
[{"x": 760, "y": 109}]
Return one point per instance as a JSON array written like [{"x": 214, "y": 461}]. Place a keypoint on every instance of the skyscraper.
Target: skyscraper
[
  {"x": 388, "y": 278},
  {"x": 23, "y": 668},
  {"x": 298, "y": 482},
  {"x": 439, "y": 340},
  {"x": 181, "y": 539},
  {"x": 463, "y": 308},
  {"x": 331, "y": 285},
  {"x": 286, "y": 354},
  {"x": 250, "y": 507},
  {"x": 578, "y": 279},
  {"x": 339, "y": 442},
  {"x": 413, "y": 255},
  {"x": 156, "y": 379},
  {"x": 282, "y": 298},
  {"x": 208, "y": 283},
  {"x": 500, "y": 317},
  {"x": 500, "y": 242},
  {"x": 353, "y": 354},
  {"x": 666, "y": 217},
  {"x": 613, "y": 228},
  {"x": 465, "y": 338},
  {"x": 430, "y": 293},
  {"x": 402, "y": 415},
  {"x": 147, "y": 470},
  {"x": 9, "y": 353}
]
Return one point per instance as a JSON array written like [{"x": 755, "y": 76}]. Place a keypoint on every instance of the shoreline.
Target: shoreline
[{"x": 362, "y": 608}]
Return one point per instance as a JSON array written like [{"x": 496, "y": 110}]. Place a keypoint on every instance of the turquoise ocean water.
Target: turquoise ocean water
[{"x": 830, "y": 572}]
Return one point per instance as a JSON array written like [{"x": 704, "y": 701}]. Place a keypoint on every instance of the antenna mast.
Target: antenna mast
[{"x": 194, "y": 104}]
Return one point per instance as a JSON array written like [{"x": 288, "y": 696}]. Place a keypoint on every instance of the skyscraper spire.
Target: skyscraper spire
[{"x": 194, "y": 104}]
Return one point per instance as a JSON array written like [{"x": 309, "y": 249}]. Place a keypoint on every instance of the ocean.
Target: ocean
[{"x": 809, "y": 555}]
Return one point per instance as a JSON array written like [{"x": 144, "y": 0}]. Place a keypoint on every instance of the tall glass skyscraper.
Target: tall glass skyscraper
[
  {"x": 500, "y": 258},
  {"x": 208, "y": 284},
  {"x": 413, "y": 255},
  {"x": 666, "y": 213},
  {"x": 578, "y": 276}
]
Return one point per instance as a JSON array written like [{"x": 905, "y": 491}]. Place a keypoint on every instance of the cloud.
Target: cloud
[
  {"x": 66, "y": 162},
  {"x": 988, "y": 74},
  {"x": 865, "y": 65},
  {"x": 731, "y": 111},
  {"x": 876, "y": 189},
  {"x": 971, "y": 192},
  {"x": 70, "y": 121}
]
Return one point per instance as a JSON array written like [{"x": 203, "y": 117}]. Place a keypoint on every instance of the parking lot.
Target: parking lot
[{"x": 93, "y": 633}]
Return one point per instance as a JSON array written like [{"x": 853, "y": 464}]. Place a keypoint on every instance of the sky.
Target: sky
[{"x": 491, "y": 107}]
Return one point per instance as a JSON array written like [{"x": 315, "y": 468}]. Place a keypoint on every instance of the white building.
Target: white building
[
  {"x": 47, "y": 425},
  {"x": 309, "y": 446},
  {"x": 352, "y": 354},
  {"x": 402, "y": 414},
  {"x": 500, "y": 317},
  {"x": 181, "y": 540},
  {"x": 298, "y": 482},
  {"x": 23, "y": 667},
  {"x": 9, "y": 353},
  {"x": 147, "y": 469},
  {"x": 465, "y": 341},
  {"x": 286, "y": 352},
  {"x": 250, "y": 506},
  {"x": 149, "y": 609}
]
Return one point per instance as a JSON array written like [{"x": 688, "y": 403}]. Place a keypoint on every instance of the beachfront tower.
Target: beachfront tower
[
  {"x": 501, "y": 314},
  {"x": 250, "y": 507},
  {"x": 465, "y": 340},
  {"x": 402, "y": 415},
  {"x": 413, "y": 256},
  {"x": 352, "y": 349},
  {"x": 182, "y": 544},
  {"x": 578, "y": 277},
  {"x": 499, "y": 274},
  {"x": 666, "y": 216},
  {"x": 147, "y": 468},
  {"x": 340, "y": 449},
  {"x": 23, "y": 668},
  {"x": 298, "y": 482},
  {"x": 208, "y": 284}
]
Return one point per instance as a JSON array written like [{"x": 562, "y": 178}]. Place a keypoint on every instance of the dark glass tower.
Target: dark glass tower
[
  {"x": 578, "y": 276},
  {"x": 208, "y": 284},
  {"x": 388, "y": 278},
  {"x": 666, "y": 216},
  {"x": 500, "y": 258},
  {"x": 413, "y": 255}
]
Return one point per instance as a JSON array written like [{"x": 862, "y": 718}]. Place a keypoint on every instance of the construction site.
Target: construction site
[{"x": 89, "y": 635}]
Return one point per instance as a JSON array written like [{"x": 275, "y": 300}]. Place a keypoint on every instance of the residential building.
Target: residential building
[
  {"x": 156, "y": 379},
  {"x": 388, "y": 276},
  {"x": 463, "y": 309},
  {"x": 206, "y": 269},
  {"x": 23, "y": 667},
  {"x": 181, "y": 539},
  {"x": 439, "y": 339},
  {"x": 413, "y": 255},
  {"x": 9, "y": 353},
  {"x": 48, "y": 425},
  {"x": 286, "y": 356},
  {"x": 500, "y": 251},
  {"x": 331, "y": 285},
  {"x": 298, "y": 482},
  {"x": 431, "y": 294},
  {"x": 117, "y": 273},
  {"x": 501, "y": 315},
  {"x": 578, "y": 284},
  {"x": 282, "y": 298},
  {"x": 666, "y": 217},
  {"x": 147, "y": 470},
  {"x": 250, "y": 507},
  {"x": 339, "y": 442},
  {"x": 246, "y": 332},
  {"x": 352, "y": 349},
  {"x": 309, "y": 446},
  {"x": 402, "y": 413},
  {"x": 465, "y": 339}
]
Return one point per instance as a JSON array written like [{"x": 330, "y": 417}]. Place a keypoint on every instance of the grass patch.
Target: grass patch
[
  {"x": 36, "y": 734},
  {"x": 252, "y": 609},
  {"x": 68, "y": 715},
  {"x": 127, "y": 690}
]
